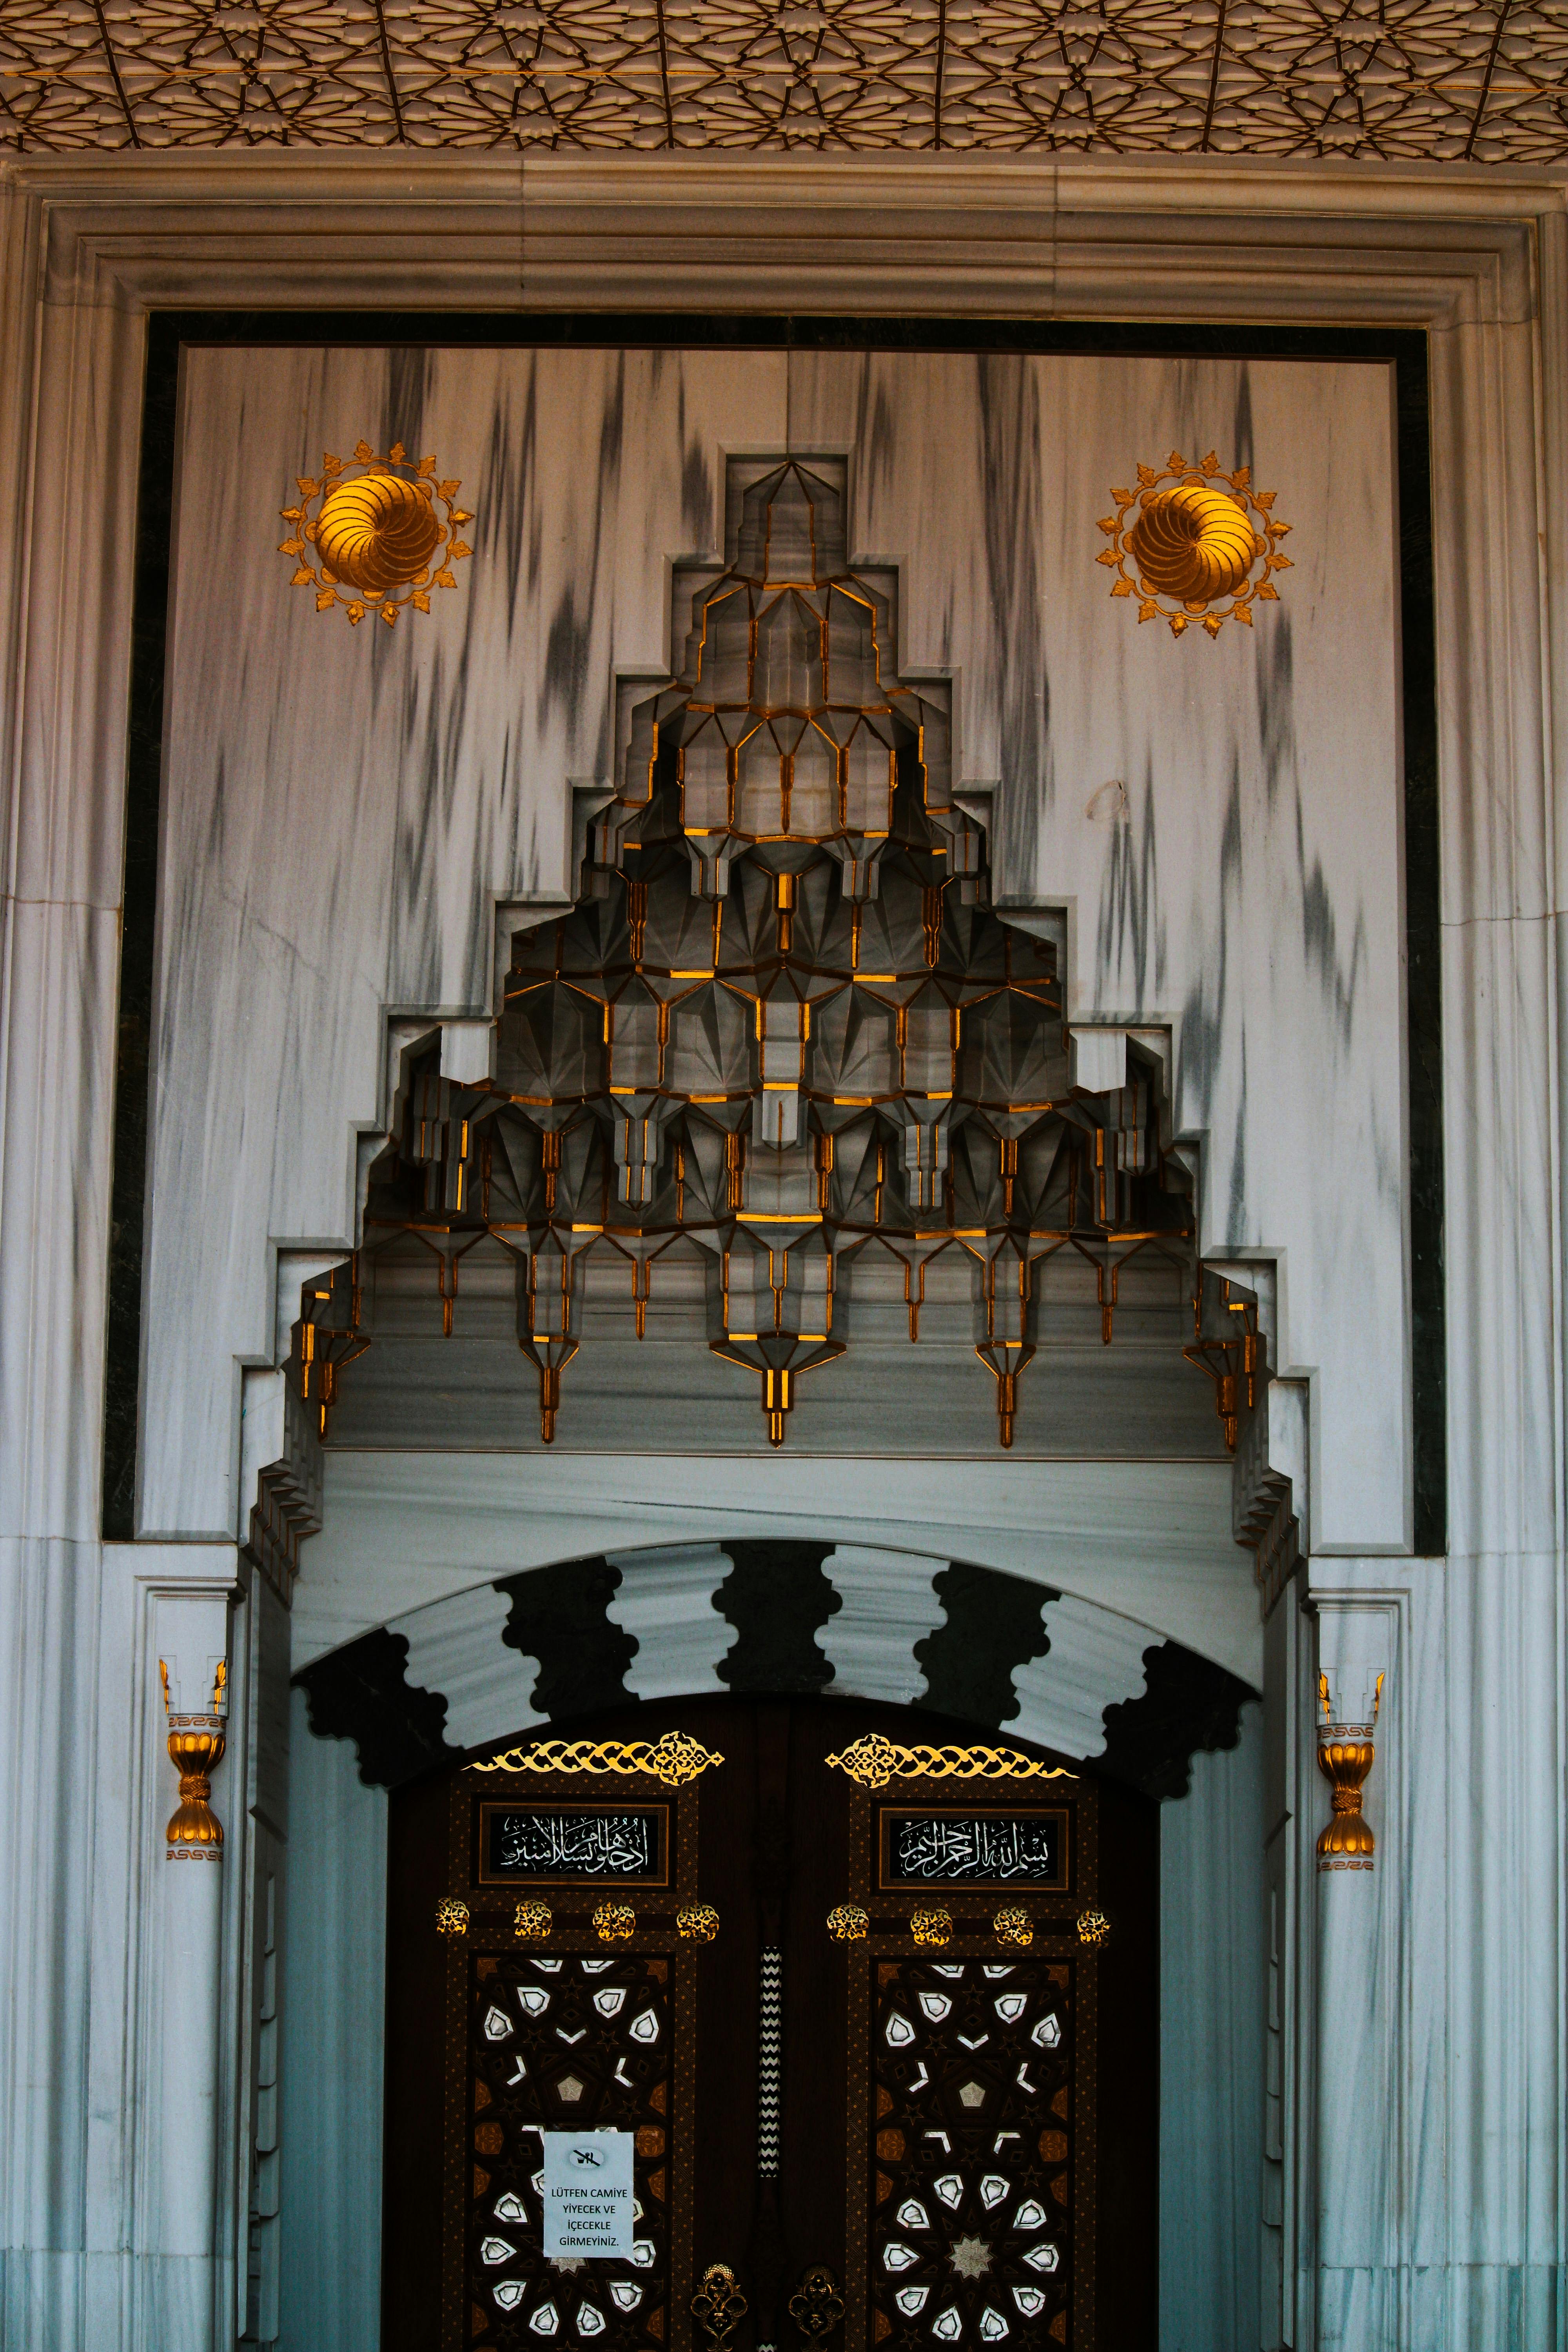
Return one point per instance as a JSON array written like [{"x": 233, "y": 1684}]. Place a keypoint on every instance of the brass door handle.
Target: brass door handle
[
  {"x": 816, "y": 2306},
  {"x": 718, "y": 2304}
]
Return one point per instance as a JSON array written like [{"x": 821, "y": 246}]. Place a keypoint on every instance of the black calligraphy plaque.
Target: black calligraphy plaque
[
  {"x": 991, "y": 1851},
  {"x": 574, "y": 1845}
]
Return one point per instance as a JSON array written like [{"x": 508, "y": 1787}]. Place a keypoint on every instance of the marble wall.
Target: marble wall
[
  {"x": 344, "y": 809},
  {"x": 331, "y": 858},
  {"x": 1212, "y": 2007},
  {"x": 348, "y": 813},
  {"x": 333, "y": 2007}
]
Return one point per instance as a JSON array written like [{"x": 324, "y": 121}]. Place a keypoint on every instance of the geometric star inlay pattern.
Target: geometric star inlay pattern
[{"x": 1401, "y": 80}]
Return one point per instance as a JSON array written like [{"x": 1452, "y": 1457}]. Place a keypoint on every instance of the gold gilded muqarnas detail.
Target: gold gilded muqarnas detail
[
  {"x": 673, "y": 1758},
  {"x": 873, "y": 1761},
  {"x": 376, "y": 534},
  {"x": 1189, "y": 540}
]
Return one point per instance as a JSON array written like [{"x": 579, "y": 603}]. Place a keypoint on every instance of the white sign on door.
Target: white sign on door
[{"x": 587, "y": 2193}]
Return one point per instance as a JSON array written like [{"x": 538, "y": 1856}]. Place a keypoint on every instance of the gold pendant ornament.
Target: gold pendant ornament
[
  {"x": 377, "y": 525},
  {"x": 1191, "y": 539}
]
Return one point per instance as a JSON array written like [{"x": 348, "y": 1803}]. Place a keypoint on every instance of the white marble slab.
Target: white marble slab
[
  {"x": 665, "y": 1602},
  {"x": 333, "y": 2020},
  {"x": 888, "y": 1604},
  {"x": 344, "y": 806},
  {"x": 1212, "y": 1994},
  {"x": 454, "y": 1647},
  {"x": 1251, "y": 897},
  {"x": 1095, "y": 1660}
]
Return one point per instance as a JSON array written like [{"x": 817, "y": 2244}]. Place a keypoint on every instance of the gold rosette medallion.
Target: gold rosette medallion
[
  {"x": 1195, "y": 544},
  {"x": 376, "y": 534}
]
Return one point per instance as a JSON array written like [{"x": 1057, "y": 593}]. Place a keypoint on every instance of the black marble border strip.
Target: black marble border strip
[{"x": 1403, "y": 348}]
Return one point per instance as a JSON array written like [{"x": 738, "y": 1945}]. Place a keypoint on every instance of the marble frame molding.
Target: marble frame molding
[{"x": 1467, "y": 2240}]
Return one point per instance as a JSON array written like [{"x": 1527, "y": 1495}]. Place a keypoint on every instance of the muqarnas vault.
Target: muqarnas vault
[{"x": 783, "y": 1073}]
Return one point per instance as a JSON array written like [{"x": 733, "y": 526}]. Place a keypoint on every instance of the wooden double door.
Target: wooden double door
[{"x": 839, "y": 1971}]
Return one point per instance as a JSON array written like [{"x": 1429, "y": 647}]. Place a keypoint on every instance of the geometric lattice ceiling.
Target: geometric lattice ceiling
[{"x": 1403, "y": 79}]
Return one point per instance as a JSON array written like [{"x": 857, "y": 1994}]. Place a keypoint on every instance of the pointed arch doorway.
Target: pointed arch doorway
[{"x": 921, "y": 2133}]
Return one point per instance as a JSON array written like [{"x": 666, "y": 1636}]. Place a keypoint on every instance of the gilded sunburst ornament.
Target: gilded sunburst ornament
[
  {"x": 1194, "y": 543},
  {"x": 382, "y": 530}
]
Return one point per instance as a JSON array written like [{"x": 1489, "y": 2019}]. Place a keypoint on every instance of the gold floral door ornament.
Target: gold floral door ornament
[
  {"x": 816, "y": 2306},
  {"x": 1346, "y": 1752},
  {"x": 1194, "y": 543},
  {"x": 374, "y": 534}
]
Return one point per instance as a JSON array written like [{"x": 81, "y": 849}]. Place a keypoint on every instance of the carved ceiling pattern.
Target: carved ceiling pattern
[
  {"x": 783, "y": 1038},
  {"x": 1403, "y": 79}
]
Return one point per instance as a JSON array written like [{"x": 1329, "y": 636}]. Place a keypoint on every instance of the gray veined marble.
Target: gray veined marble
[
  {"x": 1095, "y": 1660},
  {"x": 344, "y": 813},
  {"x": 455, "y": 1648},
  {"x": 334, "y": 2044},
  {"x": 1150, "y": 1540},
  {"x": 888, "y": 1604},
  {"x": 665, "y": 1602}
]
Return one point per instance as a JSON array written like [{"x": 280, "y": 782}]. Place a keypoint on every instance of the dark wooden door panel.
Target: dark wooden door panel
[
  {"x": 972, "y": 2127},
  {"x": 960, "y": 2133},
  {"x": 566, "y": 2043}
]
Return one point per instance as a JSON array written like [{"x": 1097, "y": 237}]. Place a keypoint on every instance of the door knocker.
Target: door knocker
[
  {"x": 717, "y": 2304},
  {"x": 816, "y": 2306}
]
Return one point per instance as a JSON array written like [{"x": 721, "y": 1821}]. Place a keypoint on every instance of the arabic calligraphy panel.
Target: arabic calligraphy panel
[
  {"x": 574, "y": 1845},
  {"x": 983, "y": 1849}
]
